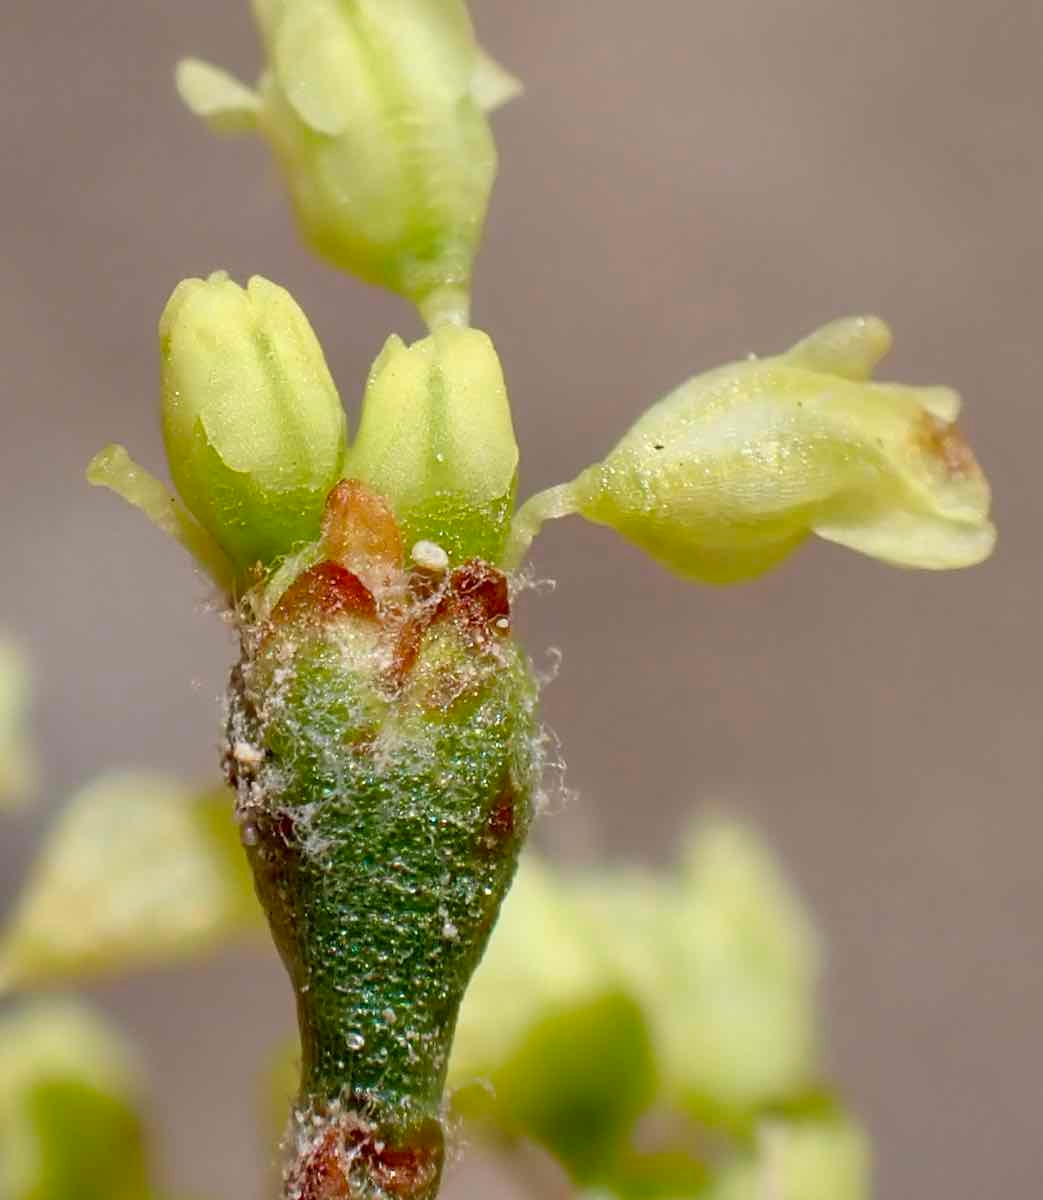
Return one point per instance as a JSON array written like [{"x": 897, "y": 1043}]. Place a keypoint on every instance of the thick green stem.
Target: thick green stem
[{"x": 385, "y": 767}]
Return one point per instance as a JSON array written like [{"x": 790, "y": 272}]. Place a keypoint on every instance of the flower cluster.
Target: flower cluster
[{"x": 383, "y": 736}]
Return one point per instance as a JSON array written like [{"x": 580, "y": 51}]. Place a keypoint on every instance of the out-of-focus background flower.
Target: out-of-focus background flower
[{"x": 681, "y": 184}]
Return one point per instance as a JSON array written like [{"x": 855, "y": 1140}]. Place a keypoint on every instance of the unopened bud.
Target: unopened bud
[
  {"x": 254, "y": 429},
  {"x": 376, "y": 113},
  {"x": 436, "y": 439}
]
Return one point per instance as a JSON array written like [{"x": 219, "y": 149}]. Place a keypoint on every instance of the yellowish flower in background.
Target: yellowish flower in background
[
  {"x": 823, "y": 1159},
  {"x": 610, "y": 994},
  {"x": 137, "y": 869},
  {"x": 18, "y": 766}
]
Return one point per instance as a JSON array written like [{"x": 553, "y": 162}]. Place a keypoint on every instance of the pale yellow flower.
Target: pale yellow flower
[{"x": 728, "y": 474}]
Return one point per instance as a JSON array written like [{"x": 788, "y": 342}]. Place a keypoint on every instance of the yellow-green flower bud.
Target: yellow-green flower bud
[
  {"x": 254, "y": 429},
  {"x": 376, "y": 112},
  {"x": 730, "y": 472},
  {"x": 436, "y": 439}
]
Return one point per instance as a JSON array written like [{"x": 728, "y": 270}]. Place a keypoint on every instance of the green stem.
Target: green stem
[
  {"x": 383, "y": 816},
  {"x": 447, "y": 305},
  {"x": 555, "y": 502}
]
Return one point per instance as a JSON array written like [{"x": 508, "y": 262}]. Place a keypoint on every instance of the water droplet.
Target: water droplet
[
  {"x": 248, "y": 835},
  {"x": 450, "y": 931},
  {"x": 389, "y": 1016},
  {"x": 355, "y": 1040}
]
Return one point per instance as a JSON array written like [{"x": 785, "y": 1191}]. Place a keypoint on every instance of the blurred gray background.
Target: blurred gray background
[{"x": 683, "y": 183}]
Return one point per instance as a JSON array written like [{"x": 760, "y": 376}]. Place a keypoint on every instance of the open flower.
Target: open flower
[
  {"x": 376, "y": 113},
  {"x": 729, "y": 473}
]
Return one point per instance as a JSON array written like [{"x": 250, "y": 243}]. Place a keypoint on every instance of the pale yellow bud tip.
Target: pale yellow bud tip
[{"x": 216, "y": 97}]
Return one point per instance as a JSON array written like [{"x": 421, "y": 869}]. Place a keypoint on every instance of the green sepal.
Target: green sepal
[{"x": 113, "y": 468}]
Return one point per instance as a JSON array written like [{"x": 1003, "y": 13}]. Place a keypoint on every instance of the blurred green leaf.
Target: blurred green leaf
[
  {"x": 724, "y": 960},
  {"x": 69, "y": 1095},
  {"x": 719, "y": 956},
  {"x": 138, "y": 869},
  {"x": 576, "y": 1083},
  {"x": 611, "y": 994},
  {"x": 667, "y": 1175},
  {"x": 543, "y": 958}
]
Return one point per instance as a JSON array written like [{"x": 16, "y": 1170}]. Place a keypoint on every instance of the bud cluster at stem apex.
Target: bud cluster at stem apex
[
  {"x": 256, "y": 435},
  {"x": 720, "y": 481}
]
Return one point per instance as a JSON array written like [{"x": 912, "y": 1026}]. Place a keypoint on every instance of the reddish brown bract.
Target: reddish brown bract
[
  {"x": 359, "y": 531},
  {"x": 353, "y": 1160},
  {"x": 479, "y": 599},
  {"x": 324, "y": 592}
]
